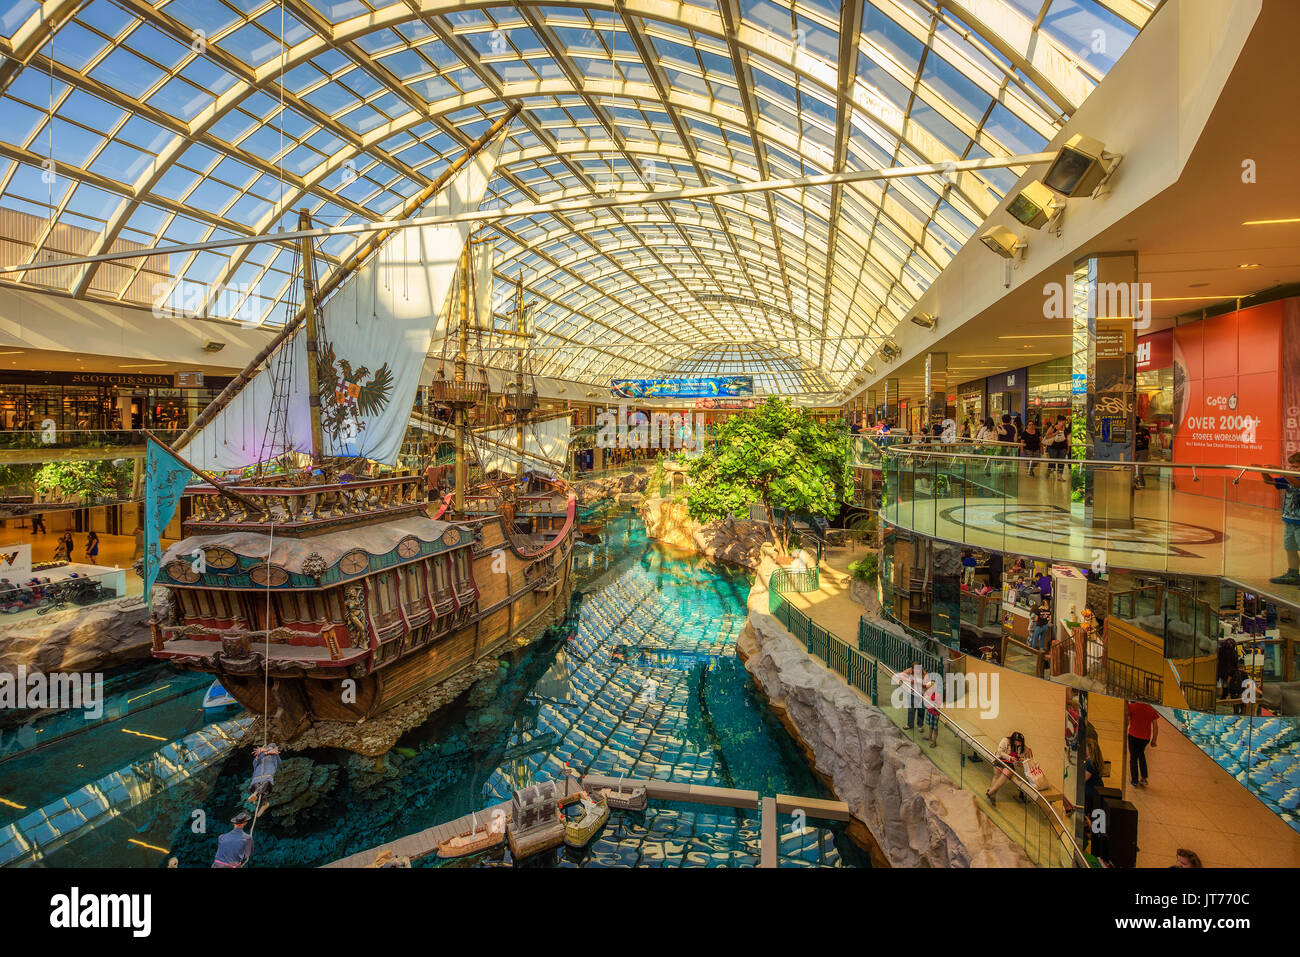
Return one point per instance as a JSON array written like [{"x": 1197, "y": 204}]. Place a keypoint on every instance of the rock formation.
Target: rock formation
[
  {"x": 737, "y": 541},
  {"x": 94, "y": 638},
  {"x": 916, "y": 816},
  {"x": 630, "y": 483}
]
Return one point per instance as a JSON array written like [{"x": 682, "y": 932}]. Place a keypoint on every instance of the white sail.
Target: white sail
[
  {"x": 483, "y": 256},
  {"x": 549, "y": 439},
  {"x": 376, "y": 332}
]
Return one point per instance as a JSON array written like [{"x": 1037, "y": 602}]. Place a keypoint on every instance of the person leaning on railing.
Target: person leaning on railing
[
  {"x": 1290, "y": 487},
  {"x": 1057, "y": 441}
]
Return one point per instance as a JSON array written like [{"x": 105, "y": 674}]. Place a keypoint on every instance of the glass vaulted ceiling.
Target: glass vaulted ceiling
[{"x": 176, "y": 121}]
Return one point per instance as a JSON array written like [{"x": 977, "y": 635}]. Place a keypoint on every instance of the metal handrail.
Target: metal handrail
[
  {"x": 1065, "y": 833},
  {"x": 924, "y": 449}
]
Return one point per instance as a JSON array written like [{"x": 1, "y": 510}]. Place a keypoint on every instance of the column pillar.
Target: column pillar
[
  {"x": 891, "y": 403},
  {"x": 1106, "y": 300},
  {"x": 936, "y": 386}
]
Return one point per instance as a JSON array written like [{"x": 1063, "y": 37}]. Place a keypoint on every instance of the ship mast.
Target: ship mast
[
  {"x": 461, "y": 410},
  {"x": 313, "y": 360},
  {"x": 519, "y": 379}
]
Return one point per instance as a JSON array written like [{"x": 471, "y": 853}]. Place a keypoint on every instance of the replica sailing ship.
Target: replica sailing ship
[{"x": 323, "y": 599}]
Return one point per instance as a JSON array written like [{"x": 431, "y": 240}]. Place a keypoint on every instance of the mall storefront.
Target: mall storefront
[{"x": 30, "y": 400}]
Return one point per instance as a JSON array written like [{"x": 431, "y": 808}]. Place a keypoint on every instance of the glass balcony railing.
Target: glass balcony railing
[
  {"x": 1196, "y": 520},
  {"x": 54, "y": 438},
  {"x": 58, "y": 588}
]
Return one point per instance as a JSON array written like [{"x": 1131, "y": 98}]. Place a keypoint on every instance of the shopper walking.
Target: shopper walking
[
  {"x": 1058, "y": 446},
  {"x": 1290, "y": 487},
  {"x": 92, "y": 547},
  {"x": 910, "y": 682},
  {"x": 1143, "y": 729},
  {"x": 38, "y": 524},
  {"x": 1031, "y": 445},
  {"x": 1141, "y": 452}
]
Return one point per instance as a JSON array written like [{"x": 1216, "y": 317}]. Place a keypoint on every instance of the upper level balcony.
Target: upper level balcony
[{"x": 1196, "y": 520}]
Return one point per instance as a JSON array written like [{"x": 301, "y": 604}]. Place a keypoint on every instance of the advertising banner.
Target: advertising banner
[
  {"x": 16, "y": 562},
  {"x": 1228, "y": 393},
  {"x": 708, "y": 387}
]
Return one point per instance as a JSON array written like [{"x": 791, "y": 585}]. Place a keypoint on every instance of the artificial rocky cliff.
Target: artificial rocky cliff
[
  {"x": 629, "y": 483},
  {"x": 737, "y": 541},
  {"x": 914, "y": 813},
  {"x": 95, "y": 638}
]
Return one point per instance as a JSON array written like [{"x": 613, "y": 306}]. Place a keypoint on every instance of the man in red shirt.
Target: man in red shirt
[{"x": 1143, "y": 729}]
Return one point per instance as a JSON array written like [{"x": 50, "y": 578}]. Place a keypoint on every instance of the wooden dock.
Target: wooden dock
[{"x": 425, "y": 842}]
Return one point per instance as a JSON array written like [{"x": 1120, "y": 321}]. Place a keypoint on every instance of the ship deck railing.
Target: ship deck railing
[
  {"x": 276, "y": 651},
  {"x": 290, "y": 505}
]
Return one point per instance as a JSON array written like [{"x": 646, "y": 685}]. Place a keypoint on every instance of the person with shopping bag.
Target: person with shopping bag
[{"x": 1008, "y": 760}]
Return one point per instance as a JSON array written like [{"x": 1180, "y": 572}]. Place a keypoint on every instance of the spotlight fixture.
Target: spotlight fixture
[
  {"x": 1003, "y": 242},
  {"x": 889, "y": 350},
  {"x": 1080, "y": 167},
  {"x": 924, "y": 320},
  {"x": 871, "y": 370},
  {"x": 213, "y": 345},
  {"x": 1035, "y": 206}
]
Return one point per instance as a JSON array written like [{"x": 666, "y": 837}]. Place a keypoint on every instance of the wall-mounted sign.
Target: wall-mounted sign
[
  {"x": 1110, "y": 344},
  {"x": 189, "y": 380},
  {"x": 705, "y": 387},
  {"x": 716, "y": 404},
  {"x": 16, "y": 562},
  {"x": 1155, "y": 351}
]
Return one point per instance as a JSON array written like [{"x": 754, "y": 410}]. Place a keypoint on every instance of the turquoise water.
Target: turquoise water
[
  {"x": 1262, "y": 753},
  {"x": 642, "y": 679}
]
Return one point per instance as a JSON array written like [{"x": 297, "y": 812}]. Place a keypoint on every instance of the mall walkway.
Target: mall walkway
[
  {"x": 1191, "y": 801},
  {"x": 832, "y": 607}
]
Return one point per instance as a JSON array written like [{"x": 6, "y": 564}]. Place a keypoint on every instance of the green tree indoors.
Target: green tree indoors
[{"x": 776, "y": 455}]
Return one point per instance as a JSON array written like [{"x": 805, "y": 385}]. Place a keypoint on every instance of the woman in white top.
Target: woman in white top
[{"x": 1011, "y": 754}]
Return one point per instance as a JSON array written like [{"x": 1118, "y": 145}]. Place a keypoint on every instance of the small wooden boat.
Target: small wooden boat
[
  {"x": 592, "y": 817},
  {"x": 625, "y": 798},
  {"x": 479, "y": 837}
]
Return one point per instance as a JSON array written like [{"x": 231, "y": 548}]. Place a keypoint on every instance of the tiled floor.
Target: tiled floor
[
  {"x": 1191, "y": 802},
  {"x": 1175, "y": 530}
]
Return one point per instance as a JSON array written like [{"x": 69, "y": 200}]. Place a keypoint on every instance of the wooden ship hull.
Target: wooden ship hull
[
  {"x": 481, "y": 838},
  {"x": 580, "y": 832},
  {"x": 535, "y": 840},
  {"x": 368, "y": 602},
  {"x": 625, "y": 799}
]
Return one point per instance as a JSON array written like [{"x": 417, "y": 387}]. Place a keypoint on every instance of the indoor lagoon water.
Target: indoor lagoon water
[{"x": 642, "y": 678}]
